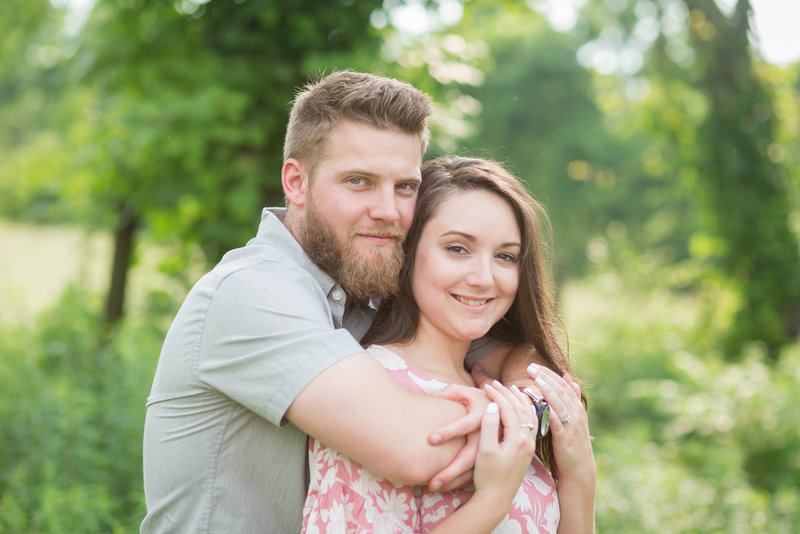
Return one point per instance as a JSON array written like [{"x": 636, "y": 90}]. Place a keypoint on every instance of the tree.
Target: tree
[
  {"x": 744, "y": 193},
  {"x": 709, "y": 117},
  {"x": 191, "y": 101}
]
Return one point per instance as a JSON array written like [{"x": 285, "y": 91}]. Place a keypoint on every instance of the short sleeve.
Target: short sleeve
[
  {"x": 479, "y": 349},
  {"x": 267, "y": 333}
]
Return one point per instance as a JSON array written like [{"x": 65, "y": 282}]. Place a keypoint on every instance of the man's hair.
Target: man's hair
[
  {"x": 383, "y": 103},
  {"x": 532, "y": 318}
]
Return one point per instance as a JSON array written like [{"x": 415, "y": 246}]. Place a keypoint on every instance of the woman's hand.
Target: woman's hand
[
  {"x": 572, "y": 447},
  {"x": 505, "y": 450},
  {"x": 569, "y": 424},
  {"x": 507, "y": 445}
]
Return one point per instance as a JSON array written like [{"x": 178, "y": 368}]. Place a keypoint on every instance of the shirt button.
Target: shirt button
[{"x": 337, "y": 294}]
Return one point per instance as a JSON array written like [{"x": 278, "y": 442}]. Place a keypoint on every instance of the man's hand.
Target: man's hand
[
  {"x": 480, "y": 376},
  {"x": 459, "y": 472}
]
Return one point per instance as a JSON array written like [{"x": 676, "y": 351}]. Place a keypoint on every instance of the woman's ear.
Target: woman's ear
[{"x": 294, "y": 181}]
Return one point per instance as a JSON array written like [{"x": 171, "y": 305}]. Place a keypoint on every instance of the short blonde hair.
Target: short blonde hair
[{"x": 383, "y": 103}]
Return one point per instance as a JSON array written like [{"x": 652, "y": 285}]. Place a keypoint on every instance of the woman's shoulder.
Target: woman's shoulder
[{"x": 405, "y": 375}]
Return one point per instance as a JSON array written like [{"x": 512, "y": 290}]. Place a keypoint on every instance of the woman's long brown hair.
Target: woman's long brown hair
[{"x": 532, "y": 317}]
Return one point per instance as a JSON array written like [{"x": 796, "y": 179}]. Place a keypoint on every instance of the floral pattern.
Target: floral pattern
[{"x": 345, "y": 498}]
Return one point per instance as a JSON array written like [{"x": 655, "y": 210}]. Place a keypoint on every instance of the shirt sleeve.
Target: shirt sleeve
[
  {"x": 479, "y": 349},
  {"x": 268, "y": 332}
]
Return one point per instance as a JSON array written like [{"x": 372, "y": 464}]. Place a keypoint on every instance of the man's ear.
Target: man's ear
[{"x": 295, "y": 182}]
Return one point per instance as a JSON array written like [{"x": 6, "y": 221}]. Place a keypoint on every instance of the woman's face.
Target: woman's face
[{"x": 466, "y": 271}]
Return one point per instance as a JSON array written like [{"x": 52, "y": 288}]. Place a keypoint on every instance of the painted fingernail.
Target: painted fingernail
[
  {"x": 533, "y": 368},
  {"x": 514, "y": 388},
  {"x": 488, "y": 387},
  {"x": 497, "y": 383},
  {"x": 533, "y": 393},
  {"x": 491, "y": 408},
  {"x": 539, "y": 380},
  {"x": 435, "y": 485}
]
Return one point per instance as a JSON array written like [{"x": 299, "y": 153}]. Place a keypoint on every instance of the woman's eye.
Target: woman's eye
[
  {"x": 456, "y": 249},
  {"x": 510, "y": 258}
]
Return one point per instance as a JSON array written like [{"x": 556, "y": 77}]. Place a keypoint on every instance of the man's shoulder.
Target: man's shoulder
[{"x": 259, "y": 268}]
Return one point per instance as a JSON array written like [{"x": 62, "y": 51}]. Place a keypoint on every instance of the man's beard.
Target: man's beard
[{"x": 376, "y": 275}]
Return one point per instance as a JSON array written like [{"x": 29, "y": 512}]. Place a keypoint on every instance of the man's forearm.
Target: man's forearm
[{"x": 356, "y": 408}]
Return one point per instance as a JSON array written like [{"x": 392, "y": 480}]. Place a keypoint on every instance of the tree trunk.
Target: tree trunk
[{"x": 124, "y": 235}]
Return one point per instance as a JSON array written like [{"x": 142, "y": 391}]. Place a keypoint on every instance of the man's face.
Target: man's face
[{"x": 359, "y": 205}]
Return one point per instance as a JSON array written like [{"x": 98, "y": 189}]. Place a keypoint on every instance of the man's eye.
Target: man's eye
[
  {"x": 407, "y": 187},
  {"x": 356, "y": 181}
]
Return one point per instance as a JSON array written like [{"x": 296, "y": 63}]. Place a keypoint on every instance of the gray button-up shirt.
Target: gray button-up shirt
[{"x": 249, "y": 337}]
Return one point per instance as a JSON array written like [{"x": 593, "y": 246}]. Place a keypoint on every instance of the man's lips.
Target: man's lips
[{"x": 379, "y": 239}]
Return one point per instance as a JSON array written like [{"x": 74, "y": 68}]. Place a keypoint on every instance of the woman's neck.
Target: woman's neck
[{"x": 437, "y": 355}]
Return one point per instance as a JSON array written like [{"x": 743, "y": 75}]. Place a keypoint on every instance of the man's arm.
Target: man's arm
[
  {"x": 272, "y": 348},
  {"x": 355, "y": 407}
]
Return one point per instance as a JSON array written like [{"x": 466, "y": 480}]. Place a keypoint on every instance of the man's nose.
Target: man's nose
[{"x": 384, "y": 206}]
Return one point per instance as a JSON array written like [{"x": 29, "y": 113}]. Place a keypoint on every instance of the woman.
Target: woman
[{"x": 473, "y": 267}]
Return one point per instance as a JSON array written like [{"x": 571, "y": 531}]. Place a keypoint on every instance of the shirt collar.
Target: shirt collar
[{"x": 273, "y": 230}]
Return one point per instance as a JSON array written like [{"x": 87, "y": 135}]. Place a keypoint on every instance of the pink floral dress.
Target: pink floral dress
[{"x": 345, "y": 498}]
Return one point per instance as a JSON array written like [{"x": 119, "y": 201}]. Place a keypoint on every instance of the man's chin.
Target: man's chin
[{"x": 374, "y": 255}]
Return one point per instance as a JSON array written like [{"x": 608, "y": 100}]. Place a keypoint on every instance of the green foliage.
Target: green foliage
[
  {"x": 191, "y": 106},
  {"x": 72, "y": 412},
  {"x": 685, "y": 441},
  {"x": 33, "y": 111}
]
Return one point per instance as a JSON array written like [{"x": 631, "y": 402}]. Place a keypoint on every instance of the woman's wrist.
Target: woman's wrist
[
  {"x": 583, "y": 483},
  {"x": 492, "y": 506}
]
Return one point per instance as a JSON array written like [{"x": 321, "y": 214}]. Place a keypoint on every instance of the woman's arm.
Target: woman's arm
[
  {"x": 501, "y": 464},
  {"x": 572, "y": 446}
]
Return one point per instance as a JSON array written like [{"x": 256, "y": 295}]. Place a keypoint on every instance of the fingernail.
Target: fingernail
[
  {"x": 514, "y": 388},
  {"x": 436, "y": 438},
  {"x": 491, "y": 408},
  {"x": 487, "y": 386},
  {"x": 539, "y": 380},
  {"x": 497, "y": 383},
  {"x": 533, "y": 368},
  {"x": 435, "y": 485},
  {"x": 533, "y": 393}
]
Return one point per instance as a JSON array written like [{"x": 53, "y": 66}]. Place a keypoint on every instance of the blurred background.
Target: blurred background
[{"x": 139, "y": 140}]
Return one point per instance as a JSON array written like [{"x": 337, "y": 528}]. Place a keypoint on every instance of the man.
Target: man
[{"x": 264, "y": 349}]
